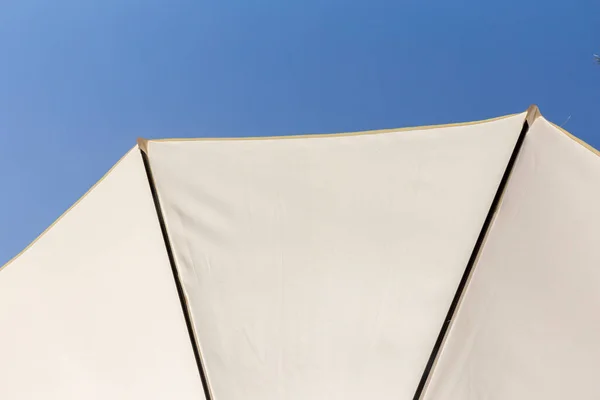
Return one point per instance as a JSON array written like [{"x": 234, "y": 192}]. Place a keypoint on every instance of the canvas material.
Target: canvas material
[
  {"x": 528, "y": 324},
  {"x": 322, "y": 267},
  {"x": 90, "y": 309}
]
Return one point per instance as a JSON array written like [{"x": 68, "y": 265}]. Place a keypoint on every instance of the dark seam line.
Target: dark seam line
[
  {"x": 184, "y": 305},
  {"x": 471, "y": 263}
]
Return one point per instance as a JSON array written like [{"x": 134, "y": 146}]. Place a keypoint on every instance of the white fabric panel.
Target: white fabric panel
[
  {"x": 322, "y": 267},
  {"x": 90, "y": 310},
  {"x": 529, "y": 323}
]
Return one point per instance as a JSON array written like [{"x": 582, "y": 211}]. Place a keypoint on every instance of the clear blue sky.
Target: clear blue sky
[{"x": 80, "y": 80}]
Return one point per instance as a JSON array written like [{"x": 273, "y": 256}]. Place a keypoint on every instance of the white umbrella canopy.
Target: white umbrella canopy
[
  {"x": 529, "y": 321},
  {"x": 440, "y": 262},
  {"x": 90, "y": 309}
]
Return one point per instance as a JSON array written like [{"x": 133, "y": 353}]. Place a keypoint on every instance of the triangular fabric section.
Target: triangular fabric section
[
  {"x": 90, "y": 309},
  {"x": 323, "y": 267},
  {"x": 529, "y": 322}
]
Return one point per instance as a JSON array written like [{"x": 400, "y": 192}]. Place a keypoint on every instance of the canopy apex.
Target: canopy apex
[
  {"x": 533, "y": 112},
  {"x": 143, "y": 144}
]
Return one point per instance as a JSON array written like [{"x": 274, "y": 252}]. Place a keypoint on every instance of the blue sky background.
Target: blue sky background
[{"x": 80, "y": 80}]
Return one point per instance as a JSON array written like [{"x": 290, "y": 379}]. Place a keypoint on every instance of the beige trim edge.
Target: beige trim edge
[
  {"x": 333, "y": 135},
  {"x": 576, "y": 139}
]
